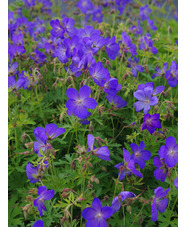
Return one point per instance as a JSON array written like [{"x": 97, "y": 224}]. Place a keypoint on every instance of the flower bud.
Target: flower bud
[
  {"x": 73, "y": 165},
  {"x": 129, "y": 209},
  {"x": 33, "y": 191},
  {"x": 26, "y": 210},
  {"x": 29, "y": 198},
  {"x": 29, "y": 145}
]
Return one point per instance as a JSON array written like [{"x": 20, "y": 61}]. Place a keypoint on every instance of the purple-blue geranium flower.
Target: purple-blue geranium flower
[
  {"x": 18, "y": 39},
  {"x": 112, "y": 48},
  {"x": 160, "y": 72},
  {"x": 79, "y": 102},
  {"x": 43, "y": 135},
  {"x": 34, "y": 173},
  {"x": 29, "y": 3},
  {"x": 57, "y": 29},
  {"x": 50, "y": 48},
  {"x": 116, "y": 202},
  {"x": 43, "y": 195},
  {"x": 144, "y": 12},
  {"x": 38, "y": 57},
  {"x": 151, "y": 122},
  {"x": 172, "y": 74},
  {"x": 52, "y": 131},
  {"x": 95, "y": 42},
  {"x": 132, "y": 63},
  {"x": 127, "y": 167},
  {"x": 147, "y": 44},
  {"x": 68, "y": 24},
  {"x": 12, "y": 69},
  {"x": 15, "y": 51},
  {"x": 15, "y": 85},
  {"x": 96, "y": 216},
  {"x": 146, "y": 96},
  {"x": 159, "y": 204},
  {"x": 38, "y": 223},
  {"x": 137, "y": 29},
  {"x": 97, "y": 15},
  {"x": 60, "y": 52},
  {"x": 161, "y": 172},
  {"x": 71, "y": 44},
  {"x": 111, "y": 86},
  {"x": 41, "y": 143},
  {"x": 169, "y": 152},
  {"x": 139, "y": 154},
  {"x": 87, "y": 31},
  {"x": 116, "y": 100},
  {"x": 101, "y": 152},
  {"x": 99, "y": 73},
  {"x": 128, "y": 45},
  {"x": 85, "y": 5},
  {"x": 151, "y": 24},
  {"x": 176, "y": 182}
]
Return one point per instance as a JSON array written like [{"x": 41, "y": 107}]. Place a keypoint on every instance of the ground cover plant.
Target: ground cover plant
[{"x": 93, "y": 113}]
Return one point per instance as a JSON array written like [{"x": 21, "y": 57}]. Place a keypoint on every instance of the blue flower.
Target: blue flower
[
  {"x": 144, "y": 12},
  {"x": 146, "y": 96},
  {"x": 161, "y": 172},
  {"x": 169, "y": 152},
  {"x": 38, "y": 223},
  {"x": 43, "y": 195},
  {"x": 139, "y": 154},
  {"x": 151, "y": 122},
  {"x": 127, "y": 167},
  {"x": 96, "y": 216},
  {"x": 101, "y": 152},
  {"x": 159, "y": 204},
  {"x": 172, "y": 74},
  {"x": 116, "y": 202},
  {"x": 176, "y": 182},
  {"x": 134, "y": 66},
  {"x": 79, "y": 102}
]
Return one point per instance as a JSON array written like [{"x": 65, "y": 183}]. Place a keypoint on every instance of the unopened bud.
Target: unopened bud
[
  {"x": 73, "y": 165},
  {"x": 29, "y": 198},
  {"x": 140, "y": 221},
  {"x": 23, "y": 137},
  {"x": 33, "y": 191},
  {"x": 104, "y": 168},
  {"x": 29, "y": 145},
  {"x": 129, "y": 209},
  {"x": 26, "y": 210}
]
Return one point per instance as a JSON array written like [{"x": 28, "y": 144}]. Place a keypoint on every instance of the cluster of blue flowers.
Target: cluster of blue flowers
[{"x": 76, "y": 49}]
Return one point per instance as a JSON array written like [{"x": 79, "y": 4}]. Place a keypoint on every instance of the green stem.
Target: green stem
[
  {"x": 123, "y": 216},
  {"x": 138, "y": 215},
  {"x": 16, "y": 141},
  {"x": 40, "y": 107},
  {"x": 70, "y": 143}
]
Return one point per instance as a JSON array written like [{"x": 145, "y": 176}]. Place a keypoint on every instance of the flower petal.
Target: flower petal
[
  {"x": 162, "y": 205},
  {"x": 125, "y": 195},
  {"x": 84, "y": 92},
  {"x": 89, "y": 103},
  {"x": 154, "y": 211},
  {"x": 88, "y": 213},
  {"x": 96, "y": 204},
  {"x": 72, "y": 93},
  {"x": 170, "y": 142},
  {"x": 106, "y": 212},
  {"x": 90, "y": 140},
  {"x": 116, "y": 204}
]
